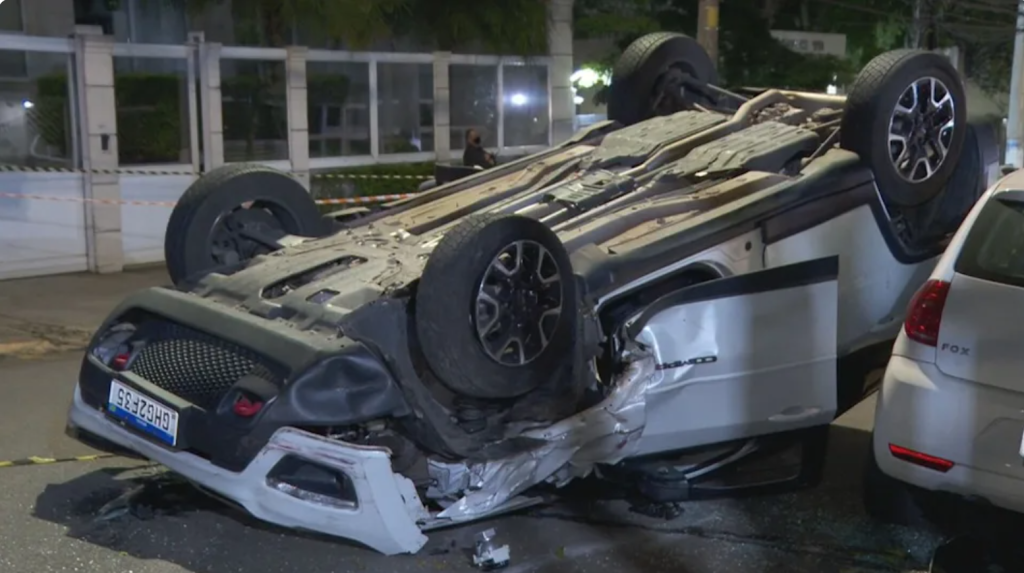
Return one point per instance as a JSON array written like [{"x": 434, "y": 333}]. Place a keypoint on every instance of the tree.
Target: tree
[
  {"x": 508, "y": 27},
  {"x": 511, "y": 26},
  {"x": 749, "y": 54},
  {"x": 270, "y": 22},
  {"x": 984, "y": 30}
]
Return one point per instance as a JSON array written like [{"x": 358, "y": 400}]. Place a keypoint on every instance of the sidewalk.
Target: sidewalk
[{"x": 40, "y": 316}]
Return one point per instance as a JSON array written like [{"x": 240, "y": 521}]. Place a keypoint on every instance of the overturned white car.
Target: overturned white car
[{"x": 653, "y": 304}]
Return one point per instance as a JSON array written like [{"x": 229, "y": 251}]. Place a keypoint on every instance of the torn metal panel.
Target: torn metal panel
[{"x": 606, "y": 433}]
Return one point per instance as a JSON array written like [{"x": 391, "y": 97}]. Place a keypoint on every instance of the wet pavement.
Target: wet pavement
[{"x": 117, "y": 515}]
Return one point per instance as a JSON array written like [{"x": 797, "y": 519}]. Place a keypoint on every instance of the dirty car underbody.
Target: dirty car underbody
[
  {"x": 318, "y": 335},
  {"x": 301, "y": 384}
]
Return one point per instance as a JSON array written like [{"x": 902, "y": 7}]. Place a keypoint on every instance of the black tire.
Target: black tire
[
  {"x": 646, "y": 63},
  {"x": 869, "y": 110},
  {"x": 188, "y": 248},
  {"x": 447, "y": 295},
  {"x": 888, "y": 500}
]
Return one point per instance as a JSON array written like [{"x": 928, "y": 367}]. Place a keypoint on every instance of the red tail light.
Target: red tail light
[
  {"x": 917, "y": 458},
  {"x": 925, "y": 312},
  {"x": 246, "y": 408},
  {"x": 120, "y": 361}
]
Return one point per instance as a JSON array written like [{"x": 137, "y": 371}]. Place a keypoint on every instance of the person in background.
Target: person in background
[{"x": 475, "y": 155}]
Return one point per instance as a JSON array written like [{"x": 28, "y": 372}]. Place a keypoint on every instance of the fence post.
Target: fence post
[
  {"x": 195, "y": 139},
  {"x": 442, "y": 103},
  {"x": 563, "y": 109},
  {"x": 374, "y": 107},
  {"x": 297, "y": 101},
  {"x": 210, "y": 101},
  {"x": 501, "y": 104},
  {"x": 94, "y": 67}
]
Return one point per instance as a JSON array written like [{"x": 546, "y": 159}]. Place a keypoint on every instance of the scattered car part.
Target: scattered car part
[
  {"x": 487, "y": 555},
  {"x": 234, "y": 213}
]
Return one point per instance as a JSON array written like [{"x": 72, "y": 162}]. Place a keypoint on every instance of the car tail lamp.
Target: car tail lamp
[
  {"x": 925, "y": 312},
  {"x": 245, "y": 407},
  {"x": 120, "y": 362},
  {"x": 920, "y": 459}
]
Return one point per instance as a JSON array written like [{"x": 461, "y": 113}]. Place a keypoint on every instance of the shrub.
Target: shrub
[{"x": 150, "y": 118}]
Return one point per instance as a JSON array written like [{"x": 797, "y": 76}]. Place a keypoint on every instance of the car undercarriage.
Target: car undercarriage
[{"x": 465, "y": 352}]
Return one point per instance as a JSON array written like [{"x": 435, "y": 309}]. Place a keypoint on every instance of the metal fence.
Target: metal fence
[
  {"x": 351, "y": 108},
  {"x": 98, "y": 139}
]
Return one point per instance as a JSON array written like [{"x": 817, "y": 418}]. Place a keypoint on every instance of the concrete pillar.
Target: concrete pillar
[
  {"x": 212, "y": 123},
  {"x": 563, "y": 110},
  {"x": 94, "y": 55},
  {"x": 442, "y": 105},
  {"x": 374, "y": 107},
  {"x": 298, "y": 116}
]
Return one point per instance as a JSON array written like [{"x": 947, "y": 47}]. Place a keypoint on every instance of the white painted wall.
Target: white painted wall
[
  {"x": 143, "y": 226},
  {"x": 41, "y": 237}
]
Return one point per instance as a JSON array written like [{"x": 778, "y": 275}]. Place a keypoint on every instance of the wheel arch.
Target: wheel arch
[{"x": 614, "y": 312}]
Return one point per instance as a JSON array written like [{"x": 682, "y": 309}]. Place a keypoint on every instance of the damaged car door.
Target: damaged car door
[{"x": 741, "y": 356}]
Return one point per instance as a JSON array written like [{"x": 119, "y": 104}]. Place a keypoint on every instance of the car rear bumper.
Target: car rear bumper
[
  {"x": 386, "y": 513},
  {"x": 977, "y": 427}
]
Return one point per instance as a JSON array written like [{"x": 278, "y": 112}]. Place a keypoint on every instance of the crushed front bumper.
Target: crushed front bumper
[{"x": 385, "y": 515}]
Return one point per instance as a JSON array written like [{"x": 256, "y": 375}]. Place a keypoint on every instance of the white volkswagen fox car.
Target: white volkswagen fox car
[{"x": 950, "y": 413}]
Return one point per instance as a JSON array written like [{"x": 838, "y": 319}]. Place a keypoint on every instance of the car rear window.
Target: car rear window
[{"x": 994, "y": 248}]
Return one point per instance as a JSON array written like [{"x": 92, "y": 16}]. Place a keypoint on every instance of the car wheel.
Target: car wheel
[
  {"x": 906, "y": 116},
  {"x": 496, "y": 306},
  {"x": 234, "y": 213},
  {"x": 888, "y": 500},
  {"x": 647, "y": 79}
]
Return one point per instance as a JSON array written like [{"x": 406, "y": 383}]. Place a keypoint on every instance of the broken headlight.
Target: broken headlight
[{"x": 313, "y": 482}]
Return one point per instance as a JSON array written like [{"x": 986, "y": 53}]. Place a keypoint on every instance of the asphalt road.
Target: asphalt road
[
  {"x": 74, "y": 516},
  {"x": 118, "y": 516}
]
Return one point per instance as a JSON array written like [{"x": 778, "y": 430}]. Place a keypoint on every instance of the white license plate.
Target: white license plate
[{"x": 143, "y": 413}]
